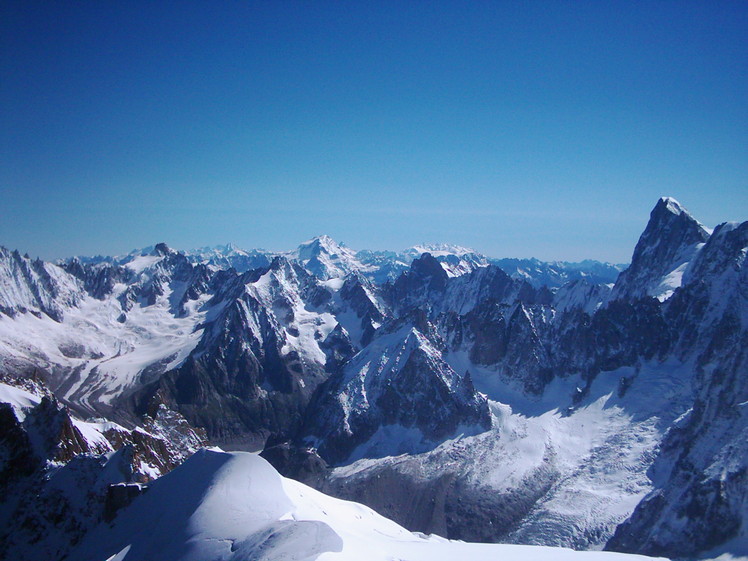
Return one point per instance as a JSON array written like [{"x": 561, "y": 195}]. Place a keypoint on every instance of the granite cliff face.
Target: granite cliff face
[
  {"x": 699, "y": 499},
  {"x": 669, "y": 243}
]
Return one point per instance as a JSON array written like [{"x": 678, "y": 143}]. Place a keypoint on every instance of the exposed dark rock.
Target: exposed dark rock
[
  {"x": 120, "y": 495},
  {"x": 299, "y": 463}
]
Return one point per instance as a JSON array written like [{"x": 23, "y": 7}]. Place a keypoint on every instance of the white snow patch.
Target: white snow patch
[
  {"x": 19, "y": 399},
  {"x": 143, "y": 262}
]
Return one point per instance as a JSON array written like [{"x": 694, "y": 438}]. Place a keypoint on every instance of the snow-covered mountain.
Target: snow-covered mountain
[
  {"x": 326, "y": 259},
  {"x": 398, "y": 395},
  {"x": 98, "y": 332},
  {"x": 541, "y": 405},
  {"x": 651, "y": 373}
]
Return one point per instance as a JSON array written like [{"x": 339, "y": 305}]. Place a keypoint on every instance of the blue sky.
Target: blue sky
[{"x": 544, "y": 129}]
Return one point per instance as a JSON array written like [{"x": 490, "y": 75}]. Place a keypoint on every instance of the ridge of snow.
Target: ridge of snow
[
  {"x": 19, "y": 399},
  {"x": 235, "y": 506},
  {"x": 673, "y": 206}
]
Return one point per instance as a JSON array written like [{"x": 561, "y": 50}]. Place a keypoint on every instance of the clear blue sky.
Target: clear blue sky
[{"x": 544, "y": 129}]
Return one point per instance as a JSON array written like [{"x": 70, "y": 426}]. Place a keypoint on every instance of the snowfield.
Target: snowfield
[
  {"x": 222, "y": 506},
  {"x": 101, "y": 351}
]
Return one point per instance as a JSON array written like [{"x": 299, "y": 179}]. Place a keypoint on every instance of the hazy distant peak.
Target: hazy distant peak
[{"x": 438, "y": 249}]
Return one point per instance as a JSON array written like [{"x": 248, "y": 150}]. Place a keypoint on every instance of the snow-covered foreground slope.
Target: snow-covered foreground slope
[{"x": 235, "y": 506}]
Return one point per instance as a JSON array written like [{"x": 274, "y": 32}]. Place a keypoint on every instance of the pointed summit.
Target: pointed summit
[
  {"x": 317, "y": 245},
  {"x": 327, "y": 259},
  {"x": 671, "y": 205},
  {"x": 670, "y": 228},
  {"x": 667, "y": 208},
  {"x": 669, "y": 242}
]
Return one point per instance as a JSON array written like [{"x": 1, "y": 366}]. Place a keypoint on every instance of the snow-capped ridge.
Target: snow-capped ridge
[
  {"x": 31, "y": 285},
  {"x": 235, "y": 506},
  {"x": 672, "y": 205},
  {"x": 397, "y": 395}
]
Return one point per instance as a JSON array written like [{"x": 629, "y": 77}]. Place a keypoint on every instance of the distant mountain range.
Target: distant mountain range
[
  {"x": 581, "y": 405},
  {"x": 325, "y": 258}
]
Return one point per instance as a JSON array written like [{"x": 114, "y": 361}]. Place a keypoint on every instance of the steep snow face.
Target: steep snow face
[
  {"x": 469, "y": 291},
  {"x": 19, "y": 399},
  {"x": 671, "y": 240},
  {"x": 231, "y": 507},
  {"x": 581, "y": 295},
  {"x": 305, "y": 326},
  {"x": 723, "y": 262},
  {"x": 358, "y": 307}
]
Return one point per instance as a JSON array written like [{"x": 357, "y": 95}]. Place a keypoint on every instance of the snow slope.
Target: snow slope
[{"x": 235, "y": 506}]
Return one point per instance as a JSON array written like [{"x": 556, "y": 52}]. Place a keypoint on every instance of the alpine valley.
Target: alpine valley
[{"x": 572, "y": 406}]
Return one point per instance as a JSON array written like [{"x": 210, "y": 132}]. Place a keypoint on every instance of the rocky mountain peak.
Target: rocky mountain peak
[
  {"x": 161, "y": 249},
  {"x": 670, "y": 241},
  {"x": 671, "y": 205},
  {"x": 279, "y": 263},
  {"x": 426, "y": 266},
  {"x": 670, "y": 218}
]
